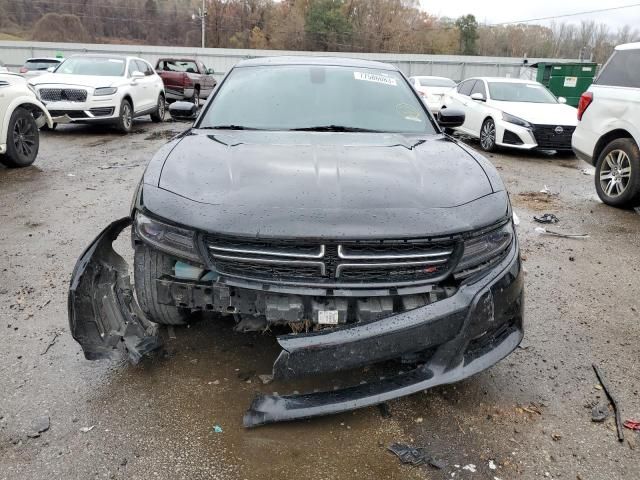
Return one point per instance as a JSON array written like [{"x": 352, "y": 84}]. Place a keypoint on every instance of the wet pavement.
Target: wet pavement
[{"x": 529, "y": 416}]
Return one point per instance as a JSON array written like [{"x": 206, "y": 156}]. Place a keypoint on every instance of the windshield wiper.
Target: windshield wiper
[
  {"x": 333, "y": 128},
  {"x": 228, "y": 127}
]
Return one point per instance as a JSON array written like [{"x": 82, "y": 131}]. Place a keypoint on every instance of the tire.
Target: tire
[
  {"x": 196, "y": 97},
  {"x": 23, "y": 140},
  {"x": 150, "y": 264},
  {"x": 488, "y": 135},
  {"x": 125, "y": 120},
  {"x": 158, "y": 115},
  {"x": 618, "y": 174}
]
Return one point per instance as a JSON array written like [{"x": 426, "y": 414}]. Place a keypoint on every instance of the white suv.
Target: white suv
[
  {"x": 608, "y": 132},
  {"x": 102, "y": 89}
]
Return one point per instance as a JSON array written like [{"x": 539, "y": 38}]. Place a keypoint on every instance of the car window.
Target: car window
[
  {"x": 621, "y": 70},
  {"x": 465, "y": 87},
  {"x": 305, "y": 96},
  {"x": 436, "y": 82},
  {"x": 144, "y": 67},
  {"x": 40, "y": 64},
  {"x": 479, "y": 88},
  {"x": 520, "y": 92},
  {"x": 180, "y": 66},
  {"x": 99, "y": 66}
]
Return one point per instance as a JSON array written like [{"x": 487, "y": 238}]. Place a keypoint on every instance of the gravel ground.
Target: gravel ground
[{"x": 529, "y": 416}]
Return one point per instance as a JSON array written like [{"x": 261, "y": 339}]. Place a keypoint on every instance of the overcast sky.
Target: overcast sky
[{"x": 495, "y": 11}]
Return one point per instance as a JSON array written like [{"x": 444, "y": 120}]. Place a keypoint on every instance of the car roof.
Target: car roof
[
  {"x": 315, "y": 60},
  {"x": 430, "y": 76},
  {"x": 103, "y": 55},
  {"x": 629, "y": 46},
  {"x": 503, "y": 79},
  {"x": 176, "y": 59}
]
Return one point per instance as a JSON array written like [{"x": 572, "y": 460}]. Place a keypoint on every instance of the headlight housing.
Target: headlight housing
[
  {"x": 98, "y": 92},
  {"x": 481, "y": 250},
  {"x": 168, "y": 238},
  {"x": 515, "y": 120}
]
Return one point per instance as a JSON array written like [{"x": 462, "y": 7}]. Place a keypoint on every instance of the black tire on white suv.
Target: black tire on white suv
[{"x": 618, "y": 174}]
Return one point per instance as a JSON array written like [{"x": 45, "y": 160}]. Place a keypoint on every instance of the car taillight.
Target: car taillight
[
  {"x": 585, "y": 101},
  {"x": 24, "y": 70}
]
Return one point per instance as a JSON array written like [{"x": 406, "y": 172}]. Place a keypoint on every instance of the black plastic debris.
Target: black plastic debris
[
  {"x": 599, "y": 413},
  {"x": 385, "y": 411},
  {"x": 546, "y": 218},
  {"x": 414, "y": 455}
]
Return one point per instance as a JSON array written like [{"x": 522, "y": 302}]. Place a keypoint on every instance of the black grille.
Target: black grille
[
  {"x": 62, "y": 95},
  {"x": 70, "y": 113},
  {"x": 511, "y": 138},
  {"x": 386, "y": 262},
  {"x": 102, "y": 111},
  {"x": 553, "y": 136}
]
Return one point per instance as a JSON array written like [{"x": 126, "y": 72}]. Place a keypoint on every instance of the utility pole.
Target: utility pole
[{"x": 202, "y": 15}]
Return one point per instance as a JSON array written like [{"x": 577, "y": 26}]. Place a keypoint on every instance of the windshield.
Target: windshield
[
  {"x": 310, "y": 96},
  {"x": 100, "y": 66},
  {"x": 520, "y": 92},
  {"x": 436, "y": 82},
  {"x": 40, "y": 64}
]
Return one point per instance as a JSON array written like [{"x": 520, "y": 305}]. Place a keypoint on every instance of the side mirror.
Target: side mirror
[
  {"x": 137, "y": 74},
  {"x": 183, "y": 110},
  {"x": 478, "y": 97},
  {"x": 51, "y": 69},
  {"x": 210, "y": 71},
  {"x": 562, "y": 100},
  {"x": 450, "y": 118}
]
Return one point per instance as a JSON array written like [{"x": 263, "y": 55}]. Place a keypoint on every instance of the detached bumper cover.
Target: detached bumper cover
[
  {"x": 473, "y": 329},
  {"x": 468, "y": 332}
]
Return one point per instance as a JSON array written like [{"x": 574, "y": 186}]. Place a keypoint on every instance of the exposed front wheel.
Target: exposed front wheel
[
  {"x": 149, "y": 265},
  {"x": 158, "y": 115},
  {"x": 488, "y": 136},
  {"x": 23, "y": 140},
  {"x": 618, "y": 174},
  {"x": 125, "y": 120}
]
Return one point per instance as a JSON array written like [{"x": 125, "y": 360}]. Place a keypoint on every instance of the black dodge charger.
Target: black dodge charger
[{"x": 318, "y": 198}]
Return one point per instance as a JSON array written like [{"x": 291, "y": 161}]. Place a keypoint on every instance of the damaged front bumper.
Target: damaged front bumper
[{"x": 467, "y": 332}]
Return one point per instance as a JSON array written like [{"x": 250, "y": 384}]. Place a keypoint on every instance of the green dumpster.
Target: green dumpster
[{"x": 569, "y": 80}]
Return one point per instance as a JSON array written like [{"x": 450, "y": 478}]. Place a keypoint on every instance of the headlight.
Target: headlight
[
  {"x": 484, "y": 248},
  {"x": 515, "y": 120},
  {"x": 104, "y": 91},
  {"x": 168, "y": 238}
]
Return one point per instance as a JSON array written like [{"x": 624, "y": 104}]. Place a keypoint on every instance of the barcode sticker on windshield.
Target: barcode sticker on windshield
[
  {"x": 372, "y": 77},
  {"x": 328, "y": 317}
]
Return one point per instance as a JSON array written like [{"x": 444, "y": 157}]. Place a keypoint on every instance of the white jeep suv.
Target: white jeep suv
[
  {"x": 608, "y": 131},
  {"x": 102, "y": 89}
]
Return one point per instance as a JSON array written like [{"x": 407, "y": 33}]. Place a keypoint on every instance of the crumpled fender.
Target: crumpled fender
[{"x": 103, "y": 313}]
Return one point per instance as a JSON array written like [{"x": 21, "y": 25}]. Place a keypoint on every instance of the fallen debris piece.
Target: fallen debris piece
[
  {"x": 265, "y": 379},
  {"x": 117, "y": 165},
  {"x": 492, "y": 465},
  {"x": 588, "y": 171},
  {"x": 614, "y": 403},
  {"x": 471, "y": 468},
  {"x": 87, "y": 429},
  {"x": 385, "y": 412},
  {"x": 547, "y": 191},
  {"x": 51, "y": 343},
  {"x": 414, "y": 456},
  {"x": 516, "y": 219},
  {"x": 40, "y": 425},
  {"x": 217, "y": 429},
  {"x": 632, "y": 424},
  {"x": 599, "y": 413},
  {"x": 544, "y": 231},
  {"x": 546, "y": 218}
]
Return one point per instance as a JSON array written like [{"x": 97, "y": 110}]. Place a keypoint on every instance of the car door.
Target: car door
[
  {"x": 136, "y": 86},
  {"x": 460, "y": 100},
  {"x": 148, "y": 89},
  {"x": 206, "y": 81},
  {"x": 476, "y": 108}
]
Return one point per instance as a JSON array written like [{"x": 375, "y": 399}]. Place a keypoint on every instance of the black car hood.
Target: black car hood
[{"x": 318, "y": 184}]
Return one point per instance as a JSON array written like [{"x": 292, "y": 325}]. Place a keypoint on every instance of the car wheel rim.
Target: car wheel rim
[
  {"x": 615, "y": 173},
  {"x": 161, "y": 107},
  {"x": 488, "y": 135},
  {"x": 24, "y": 137},
  {"x": 126, "y": 115}
]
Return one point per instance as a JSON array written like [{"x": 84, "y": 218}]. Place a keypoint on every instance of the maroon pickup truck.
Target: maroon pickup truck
[{"x": 185, "y": 79}]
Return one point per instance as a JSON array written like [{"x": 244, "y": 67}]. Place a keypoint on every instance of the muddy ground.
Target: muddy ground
[{"x": 530, "y": 415}]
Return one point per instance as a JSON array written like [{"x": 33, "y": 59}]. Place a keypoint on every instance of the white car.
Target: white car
[
  {"x": 34, "y": 67},
  {"x": 432, "y": 90},
  {"x": 102, "y": 89},
  {"x": 506, "y": 112},
  {"x": 21, "y": 115}
]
